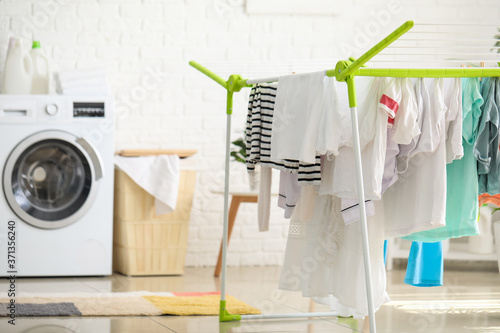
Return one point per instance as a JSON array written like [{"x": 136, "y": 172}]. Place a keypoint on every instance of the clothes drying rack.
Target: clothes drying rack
[{"x": 345, "y": 71}]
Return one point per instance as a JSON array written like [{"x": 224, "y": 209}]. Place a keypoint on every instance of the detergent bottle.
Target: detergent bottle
[
  {"x": 18, "y": 69},
  {"x": 41, "y": 77}
]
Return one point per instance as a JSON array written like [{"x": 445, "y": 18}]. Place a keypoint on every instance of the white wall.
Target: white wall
[{"x": 163, "y": 103}]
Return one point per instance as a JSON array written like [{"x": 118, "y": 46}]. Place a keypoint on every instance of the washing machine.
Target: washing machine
[{"x": 56, "y": 205}]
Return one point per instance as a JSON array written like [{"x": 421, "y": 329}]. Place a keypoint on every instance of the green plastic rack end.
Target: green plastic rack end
[{"x": 226, "y": 316}]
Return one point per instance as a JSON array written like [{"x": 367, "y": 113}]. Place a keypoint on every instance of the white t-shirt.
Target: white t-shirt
[
  {"x": 390, "y": 175},
  {"x": 324, "y": 258},
  {"x": 405, "y": 124},
  {"x": 364, "y": 86},
  {"x": 417, "y": 201},
  {"x": 404, "y": 130},
  {"x": 376, "y": 104},
  {"x": 330, "y": 125},
  {"x": 453, "y": 146},
  {"x": 301, "y": 103},
  {"x": 289, "y": 192},
  {"x": 453, "y": 99}
]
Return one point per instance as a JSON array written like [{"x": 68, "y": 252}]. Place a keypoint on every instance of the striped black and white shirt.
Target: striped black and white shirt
[{"x": 258, "y": 137}]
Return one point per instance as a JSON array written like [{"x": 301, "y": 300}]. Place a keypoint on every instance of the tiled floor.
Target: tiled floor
[{"x": 469, "y": 302}]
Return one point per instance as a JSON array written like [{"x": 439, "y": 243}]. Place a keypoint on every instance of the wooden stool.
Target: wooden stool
[{"x": 236, "y": 199}]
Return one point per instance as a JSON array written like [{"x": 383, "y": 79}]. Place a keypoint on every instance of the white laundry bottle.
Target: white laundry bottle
[
  {"x": 18, "y": 69},
  {"x": 41, "y": 77}
]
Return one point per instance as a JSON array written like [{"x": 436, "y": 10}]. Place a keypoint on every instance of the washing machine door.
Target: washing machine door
[{"x": 51, "y": 179}]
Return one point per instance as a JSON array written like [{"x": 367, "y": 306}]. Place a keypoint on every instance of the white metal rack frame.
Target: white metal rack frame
[{"x": 345, "y": 71}]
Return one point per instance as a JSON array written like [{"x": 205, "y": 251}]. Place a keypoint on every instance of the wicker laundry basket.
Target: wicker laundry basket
[{"x": 144, "y": 243}]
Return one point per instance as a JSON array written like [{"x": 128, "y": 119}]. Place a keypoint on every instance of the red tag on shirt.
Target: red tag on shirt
[{"x": 391, "y": 104}]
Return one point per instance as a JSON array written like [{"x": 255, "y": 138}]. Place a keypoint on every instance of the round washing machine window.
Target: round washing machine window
[{"x": 49, "y": 179}]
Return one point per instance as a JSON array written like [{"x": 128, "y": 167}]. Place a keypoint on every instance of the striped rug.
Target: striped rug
[{"x": 121, "y": 304}]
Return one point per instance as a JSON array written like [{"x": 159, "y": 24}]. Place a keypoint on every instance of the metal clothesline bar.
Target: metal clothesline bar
[
  {"x": 442, "y": 47},
  {"x": 446, "y": 40},
  {"x": 456, "y": 24},
  {"x": 438, "y": 61},
  {"x": 441, "y": 53},
  {"x": 408, "y": 72},
  {"x": 263, "y": 80},
  {"x": 452, "y": 32},
  {"x": 428, "y": 72}
]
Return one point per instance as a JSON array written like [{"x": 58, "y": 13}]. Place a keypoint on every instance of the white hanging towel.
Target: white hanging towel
[{"x": 157, "y": 175}]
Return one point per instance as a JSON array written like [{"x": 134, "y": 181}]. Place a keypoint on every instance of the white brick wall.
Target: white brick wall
[{"x": 185, "y": 109}]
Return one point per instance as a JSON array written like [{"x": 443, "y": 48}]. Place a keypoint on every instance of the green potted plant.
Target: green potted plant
[
  {"x": 239, "y": 151},
  {"x": 497, "y": 44},
  {"x": 239, "y": 154}
]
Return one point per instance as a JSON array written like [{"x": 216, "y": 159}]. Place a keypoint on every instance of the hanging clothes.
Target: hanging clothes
[
  {"x": 264, "y": 199},
  {"x": 417, "y": 201},
  {"x": 302, "y": 101},
  {"x": 453, "y": 128},
  {"x": 404, "y": 130},
  {"x": 340, "y": 171},
  {"x": 324, "y": 258},
  {"x": 332, "y": 121},
  {"x": 350, "y": 209},
  {"x": 425, "y": 261},
  {"x": 289, "y": 193},
  {"x": 373, "y": 140},
  {"x": 462, "y": 192},
  {"x": 486, "y": 198},
  {"x": 454, "y": 116},
  {"x": 258, "y": 139},
  {"x": 486, "y": 145},
  {"x": 394, "y": 101},
  {"x": 425, "y": 265}
]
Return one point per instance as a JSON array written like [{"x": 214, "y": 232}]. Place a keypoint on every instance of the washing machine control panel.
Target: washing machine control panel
[
  {"x": 88, "y": 109},
  {"x": 36, "y": 109}
]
